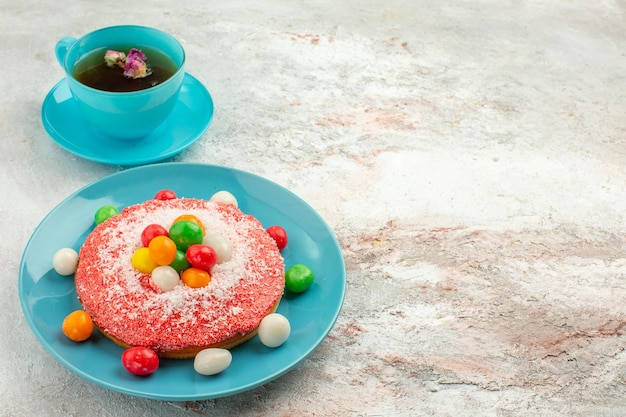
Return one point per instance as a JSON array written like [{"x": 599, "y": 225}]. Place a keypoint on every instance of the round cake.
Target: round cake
[{"x": 131, "y": 310}]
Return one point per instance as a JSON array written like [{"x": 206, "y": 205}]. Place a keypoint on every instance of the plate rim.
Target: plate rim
[{"x": 182, "y": 397}]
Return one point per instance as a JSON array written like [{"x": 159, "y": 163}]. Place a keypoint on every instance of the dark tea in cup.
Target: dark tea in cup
[{"x": 93, "y": 71}]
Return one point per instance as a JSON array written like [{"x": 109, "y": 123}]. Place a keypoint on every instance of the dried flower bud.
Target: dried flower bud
[
  {"x": 113, "y": 58},
  {"x": 134, "y": 64}
]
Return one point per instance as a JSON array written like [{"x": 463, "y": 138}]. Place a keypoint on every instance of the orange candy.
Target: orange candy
[
  {"x": 77, "y": 326},
  {"x": 162, "y": 250},
  {"x": 195, "y": 277},
  {"x": 191, "y": 218}
]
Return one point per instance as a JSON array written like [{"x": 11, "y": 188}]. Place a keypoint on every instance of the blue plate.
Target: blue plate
[
  {"x": 188, "y": 121},
  {"x": 47, "y": 297}
]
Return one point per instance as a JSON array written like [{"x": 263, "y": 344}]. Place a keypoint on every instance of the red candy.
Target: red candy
[
  {"x": 201, "y": 256},
  {"x": 165, "y": 195},
  {"x": 279, "y": 235},
  {"x": 140, "y": 361},
  {"x": 151, "y": 231}
]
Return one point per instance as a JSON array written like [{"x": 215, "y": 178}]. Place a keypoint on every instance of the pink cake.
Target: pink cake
[{"x": 129, "y": 309}]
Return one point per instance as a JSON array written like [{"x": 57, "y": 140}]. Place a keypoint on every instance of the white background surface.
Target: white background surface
[{"x": 470, "y": 156}]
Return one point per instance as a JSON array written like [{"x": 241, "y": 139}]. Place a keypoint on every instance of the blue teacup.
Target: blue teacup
[{"x": 123, "y": 115}]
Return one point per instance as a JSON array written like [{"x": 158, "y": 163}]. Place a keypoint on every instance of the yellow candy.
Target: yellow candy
[{"x": 142, "y": 261}]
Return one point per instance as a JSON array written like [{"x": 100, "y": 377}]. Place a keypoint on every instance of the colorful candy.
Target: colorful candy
[
  {"x": 181, "y": 250},
  {"x": 77, "y": 326},
  {"x": 212, "y": 361},
  {"x": 274, "y": 330},
  {"x": 180, "y": 263},
  {"x": 220, "y": 245},
  {"x": 142, "y": 261},
  {"x": 298, "y": 278},
  {"x": 151, "y": 231},
  {"x": 187, "y": 253},
  {"x": 191, "y": 218},
  {"x": 165, "y": 195},
  {"x": 195, "y": 277},
  {"x": 201, "y": 256},
  {"x": 104, "y": 213},
  {"x": 165, "y": 277},
  {"x": 65, "y": 261},
  {"x": 162, "y": 250},
  {"x": 140, "y": 361},
  {"x": 224, "y": 197},
  {"x": 185, "y": 233},
  {"x": 279, "y": 235}
]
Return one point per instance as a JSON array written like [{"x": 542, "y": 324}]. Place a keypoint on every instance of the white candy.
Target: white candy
[
  {"x": 225, "y": 197},
  {"x": 165, "y": 277},
  {"x": 274, "y": 330},
  {"x": 65, "y": 261},
  {"x": 220, "y": 245},
  {"x": 212, "y": 361}
]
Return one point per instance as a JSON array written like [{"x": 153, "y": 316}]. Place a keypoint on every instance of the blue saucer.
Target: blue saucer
[{"x": 185, "y": 125}]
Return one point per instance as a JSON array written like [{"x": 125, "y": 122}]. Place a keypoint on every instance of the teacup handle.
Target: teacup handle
[{"x": 61, "y": 48}]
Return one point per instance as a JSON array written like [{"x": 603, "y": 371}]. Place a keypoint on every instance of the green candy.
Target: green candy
[
  {"x": 185, "y": 233},
  {"x": 180, "y": 262},
  {"x": 105, "y": 213},
  {"x": 299, "y": 278}
]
